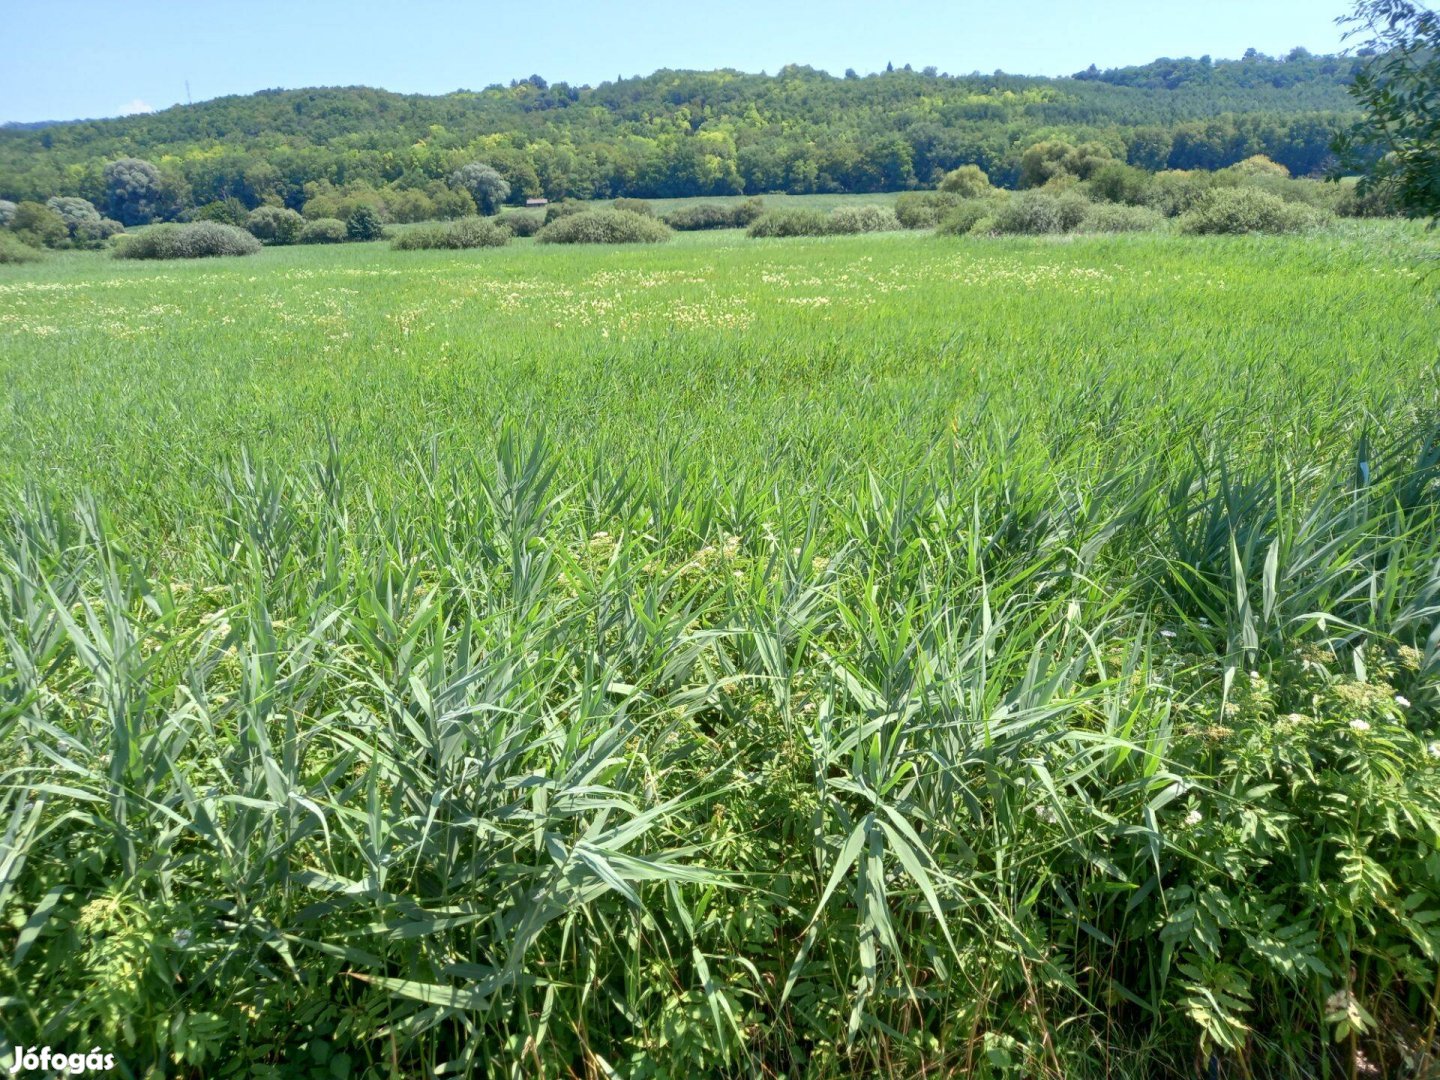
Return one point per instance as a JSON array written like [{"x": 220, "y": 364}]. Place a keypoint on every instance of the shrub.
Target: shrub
[
  {"x": 135, "y": 192},
  {"x": 364, "y": 224},
  {"x": 715, "y": 215},
  {"x": 1176, "y": 191},
  {"x": 226, "y": 211},
  {"x": 564, "y": 208},
  {"x": 522, "y": 224},
  {"x": 1045, "y": 161},
  {"x": 38, "y": 225},
  {"x": 1259, "y": 165},
  {"x": 924, "y": 209},
  {"x": 324, "y": 201},
  {"x": 486, "y": 186},
  {"x": 863, "y": 219},
  {"x": 94, "y": 234},
  {"x": 635, "y": 206},
  {"x": 450, "y": 203},
  {"x": 471, "y": 232},
  {"x": 324, "y": 231},
  {"x": 604, "y": 227},
  {"x": 1377, "y": 201},
  {"x": 962, "y": 218},
  {"x": 7, "y": 213},
  {"x": 84, "y": 226},
  {"x": 1036, "y": 213},
  {"x": 1119, "y": 183},
  {"x": 780, "y": 223},
  {"x": 749, "y": 211},
  {"x": 968, "y": 182},
  {"x": 13, "y": 250},
  {"x": 276, "y": 225},
  {"x": 73, "y": 210},
  {"x": 1247, "y": 210},
  {"x": 410, "y": 204},
  {"x": 1110, "y": 217},
  {"x": 196, "y": 240}
]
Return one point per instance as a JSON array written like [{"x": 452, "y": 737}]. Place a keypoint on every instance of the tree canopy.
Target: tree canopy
[
  {"x": 1398, "y": 87},
  {"x": 678, "y": 133}
]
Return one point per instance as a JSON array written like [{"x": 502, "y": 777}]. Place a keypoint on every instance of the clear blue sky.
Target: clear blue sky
[{"x": 66, "y": 59}]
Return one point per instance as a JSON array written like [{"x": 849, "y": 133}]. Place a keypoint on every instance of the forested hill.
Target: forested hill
[{"x": 678, "y": 133}]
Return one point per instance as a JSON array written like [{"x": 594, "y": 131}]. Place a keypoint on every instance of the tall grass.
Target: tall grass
[{"x": 821, "y": 694}]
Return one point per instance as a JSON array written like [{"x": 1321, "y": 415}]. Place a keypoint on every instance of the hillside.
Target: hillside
[{"x": 685, "y": 133}]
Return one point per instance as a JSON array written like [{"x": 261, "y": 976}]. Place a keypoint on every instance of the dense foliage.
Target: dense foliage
[
  {"x": 325, "y": 230},
  {"x": 520, "y": 223},
  {"x": 1012, "y": 660},
  {"x": 604, "y": 227},
  {"x": 484, "y": 184},
  {"x": 1245, "y": 210},
  {"x": 729, "y": 215},
  {"x": 197, "y": 240},
  {"x": 275, "y": 225},
  {"x": 791, "y": 221},
  {"x": 364, "y": 224},
  {"x": 15, "y": 250},
  {"x": 466, "y": 233},
  {"x": 675, "y": 133},
  {"x": 1398, "y": 87}
]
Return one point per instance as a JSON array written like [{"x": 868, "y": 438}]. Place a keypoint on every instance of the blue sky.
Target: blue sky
[{"x": 88, "y": 58}]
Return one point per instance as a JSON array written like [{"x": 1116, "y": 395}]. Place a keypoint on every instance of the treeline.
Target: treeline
[{"x": 677, "y": 133}]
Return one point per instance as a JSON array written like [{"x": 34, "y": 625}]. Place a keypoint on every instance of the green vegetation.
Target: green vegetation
[
  {"x": 275, "y": 225},
  {"x": 364, "y": 224},
  {"x": 790, "y": 222},
  {"x": 465, "y": 233},
  {"x": 1396, "y": 142},
  {"x": 1243, "y": 210},
  {"x": 1034, "y": 213},
  {"x": 966, "y": 216},
  {"x": 862, "y": 219},
  {"x": 324, "y": 231},
  {"x": 885, "y": 655},
  {"x": 604, "y": 227},
  {"x": 711, "y": 215},
  {"x": 15, "y": 250},
  {"x": 198, "y": 240},
  {"x": 634, "y": 206},
  {"x": 841, "y": 221},
  {"x": 676, "y": 134},
  {"x": 1117, "y": 217},
  {"x": 486, "y": 187}
]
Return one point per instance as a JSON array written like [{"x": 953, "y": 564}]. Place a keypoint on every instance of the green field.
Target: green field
[{"x": 889, "y": 655}]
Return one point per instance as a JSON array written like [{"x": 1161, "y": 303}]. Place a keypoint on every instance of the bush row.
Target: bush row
[
  {"x": 604, "y": 227},
  {"x": 1219, "y": 211},
  {"x": 471, "y": 232},
  {"x": 716, "y": 215},
  {"x": 844, "y": 220},
  {"x": 198, "y": 239},
  {"x": 59, "y": 222}
]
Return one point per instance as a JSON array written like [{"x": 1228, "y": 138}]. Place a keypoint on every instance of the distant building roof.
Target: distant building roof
[{"x": 537, "y": 202}]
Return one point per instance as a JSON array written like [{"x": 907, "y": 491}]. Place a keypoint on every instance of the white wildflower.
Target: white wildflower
[
  {"x": 1167, "y": 633},
  {"x": 1194, "y": 817},
  {"x": 1359, "y": 725},
  {"x": 1402, "y": 701}
]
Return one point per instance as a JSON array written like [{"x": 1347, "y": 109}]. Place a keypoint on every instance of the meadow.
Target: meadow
[{"x": 884, "y": 655}]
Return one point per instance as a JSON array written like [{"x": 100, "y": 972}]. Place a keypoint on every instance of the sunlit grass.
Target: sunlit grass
[{"x": 831, "y": 657}]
